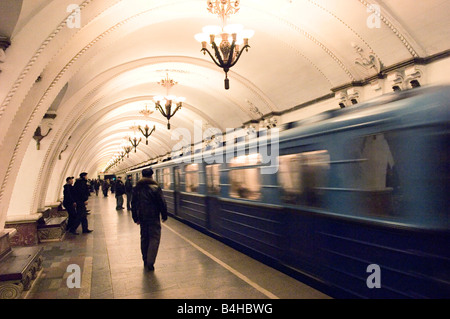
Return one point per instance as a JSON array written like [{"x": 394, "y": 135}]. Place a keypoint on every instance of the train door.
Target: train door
[
  {"x": 177, "y": 189},
  {"x": 212, "y": 198}
]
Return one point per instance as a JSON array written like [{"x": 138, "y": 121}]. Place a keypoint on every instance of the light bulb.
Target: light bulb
[
  {"x": 247, "y": 34},
  {"x": 202, "y": 37},
  {"x": 212, "y": 29},
  {"x": 233, "y": 28},
  {"x": 158, "y": 98}
]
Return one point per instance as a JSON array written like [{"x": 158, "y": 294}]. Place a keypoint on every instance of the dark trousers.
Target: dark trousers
[
  {"x": 119, "y": 202},
  {"x": 129, "y": 200},
  {"x": 81, "y": 217},
  {"x": 72, "y": 217},
  {"x": 150, "y": 238}
]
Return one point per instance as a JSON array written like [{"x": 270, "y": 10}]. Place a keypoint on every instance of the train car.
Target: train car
[{"x": 353, "y": 201}]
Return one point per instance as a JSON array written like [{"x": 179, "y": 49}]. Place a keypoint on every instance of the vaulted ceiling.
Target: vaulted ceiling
[{"x": 98, "y": 76}]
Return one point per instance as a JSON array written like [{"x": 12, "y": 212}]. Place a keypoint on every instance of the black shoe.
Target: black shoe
[
  {"x": 87, "y": 231},
  {"x": 150, "y": 267},
  {"x": 74, "y": 232}
]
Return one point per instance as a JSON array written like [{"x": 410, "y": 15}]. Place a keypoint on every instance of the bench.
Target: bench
[
  {"x": 52, "y": 229},
  {"x": 18, "y": 269}
]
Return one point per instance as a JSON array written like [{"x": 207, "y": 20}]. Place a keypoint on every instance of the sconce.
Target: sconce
[
  {"x": 62, "y": 151},
  {"x": 38, "y": 137}
]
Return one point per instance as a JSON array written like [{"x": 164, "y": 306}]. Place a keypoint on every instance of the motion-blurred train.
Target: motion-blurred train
[{"x": 356, "y": 207}]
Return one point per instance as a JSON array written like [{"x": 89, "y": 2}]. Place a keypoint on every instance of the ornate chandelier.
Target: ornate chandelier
[
  {"x": 146, "y": 112},
  {"x": 146, "y": 131},
  {"x": 168, "y": 100},
  {"x": 135, "y": 142},
  {"x": 134, "y": 139},
  {"x": 225, "y": 40}
]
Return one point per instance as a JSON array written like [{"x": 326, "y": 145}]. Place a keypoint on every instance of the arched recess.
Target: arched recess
[{"x": 10, "y": 10}]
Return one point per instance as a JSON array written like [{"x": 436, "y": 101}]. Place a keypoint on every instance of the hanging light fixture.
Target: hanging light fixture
[
  {"x": 134, "y": 139},
  {"x": 135, "y": 142},
  {"x": 225, "y": 40},
  {"x": 127, "y": 149},
  {"x": 146, "y": 132},
  {"x": 146, "y": 112},
  {"x": 168, "y": 100}
]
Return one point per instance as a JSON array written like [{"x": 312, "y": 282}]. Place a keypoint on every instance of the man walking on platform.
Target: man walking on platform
[
  {"x": 147, "y": 205},
  {"x": 70, "y": 205},
  {"x": 81, "y": 194},
  {"x": 120, "y": 191},
  {"x": 129, "y": 191}
]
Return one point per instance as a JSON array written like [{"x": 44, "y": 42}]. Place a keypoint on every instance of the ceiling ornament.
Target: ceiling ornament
[
  {"x": 225, "y": 40},
  {"x": 169, "y": 101},
  {"x": 368, "y": 61}
]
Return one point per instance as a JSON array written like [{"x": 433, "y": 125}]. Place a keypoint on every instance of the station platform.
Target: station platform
[{"x": 190, "y": 265}]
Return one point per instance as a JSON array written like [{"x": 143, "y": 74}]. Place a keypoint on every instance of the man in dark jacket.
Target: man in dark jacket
[
  {"x": 105, "y": 187},
  {"x": 81, "y": 194},
  {"x": 129, "y": 191},
  {"x": 70, "y": 205},
  {"x": 120, "y": 191},
  {"x": 147, "y": 205}
]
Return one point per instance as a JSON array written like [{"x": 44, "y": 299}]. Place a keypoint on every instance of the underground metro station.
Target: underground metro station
[{"x": 224, "y": 149}]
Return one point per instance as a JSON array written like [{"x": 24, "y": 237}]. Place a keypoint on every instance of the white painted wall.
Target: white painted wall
[{"x": 21, "y": 201}]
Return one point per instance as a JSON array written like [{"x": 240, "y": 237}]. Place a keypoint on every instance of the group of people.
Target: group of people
[
  {"x": 145, "y": 200},
  {"x": 75, "y": 201},
  {"x": 121, "y": 189}
]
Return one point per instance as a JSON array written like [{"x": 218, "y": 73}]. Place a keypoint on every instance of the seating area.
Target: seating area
[
  {"x": 18, "y": 267},
  {"x": 20, "y": 256},
  {"x": 52, "y": 225}
]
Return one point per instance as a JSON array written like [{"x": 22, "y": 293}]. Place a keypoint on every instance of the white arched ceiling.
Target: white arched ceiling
[{"x": 301, "y": 51}]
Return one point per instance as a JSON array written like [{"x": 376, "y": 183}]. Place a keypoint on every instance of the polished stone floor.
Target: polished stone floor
[{"x": 190, "y": 265}]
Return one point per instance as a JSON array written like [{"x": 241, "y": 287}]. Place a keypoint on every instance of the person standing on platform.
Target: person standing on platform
[
  {"x": 96, "y": 186},
  {"x": 105, "y": 187},
  {"x": 129, "y": 191},
  {"x": 147, "y": 205},
  {"x": 120, "y": 191},
  {"x": 70, "y": 205},
  {"x": 81, "y": 192}
]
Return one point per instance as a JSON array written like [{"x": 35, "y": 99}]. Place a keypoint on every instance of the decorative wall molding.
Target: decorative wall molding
[
  {"x": 368, "y": 61},
  {"x": 36, "y": 55},
  {"x": 395, "y": 29}
]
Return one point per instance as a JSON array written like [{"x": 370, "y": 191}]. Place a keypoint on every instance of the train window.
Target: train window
[
  {"x": 176, "y": 178},
  {"x": 158, "y": 176},
  {"x": 166, "y": 178},
  {"x": 373, "y": 161},
  {"x": 191, "y": 180},
  {"x": 213, "y": 179},
  {"x": 303, "y": 176},
  {"x": 245, "y": 178},
  {"x": 371, "y": 174}
]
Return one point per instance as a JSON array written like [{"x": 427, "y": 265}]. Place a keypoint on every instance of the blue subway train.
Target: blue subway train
[{"x": 353, "y": 202}]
